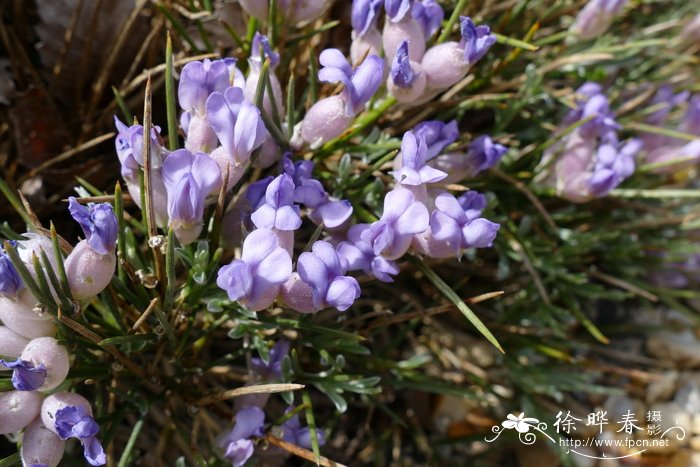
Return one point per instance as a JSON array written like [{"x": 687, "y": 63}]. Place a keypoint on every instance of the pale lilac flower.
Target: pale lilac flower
[
  {"x": 278, "y": 211},
  {"x": 272, "y": 370},
  {"x": 11, "y": 343},
  {"x": 360, "y": 256},
  {"x": 397, "y": 9},
  {"x": 10, "y": 281},
  {"x": 255, "y": 279},
  {"x": 447, "y": 63},
  {"x": 407, "y": 29},
  {"x": 238, "y": 445},
  {"x": 19, "y": 409},
  {"x": 429, "y": 14},
  {"x": 613, "y": 164},
  {"x": 437, "y": 135},
  {"x": 69, "y": 415},
  {"x": 198, "y": 80},
  {"x": 99, "y": 224},
  {"x": 595, "y": 18},
  {"x": 330, "y": 117},
  {"x": 454, "y": 226},
  {"x": 238, "y": 125},
  {"x": 483, "y": 154},
  {"x": 360, "y": 84},
  {"x": 476, "y": 40},
  {"x": 691, "y": 120},
  {"x": 414, "y": 170},
  {"x": 324, "y": 271},
  {"x": 407, "y": 80},
  {"x": 293, "y": 432},
  {"x": 402, "y": 218},
  {"x": 189, "y": 179},
  {"x": 364, "y": 15},
  {"x": 261, "y": 49}
]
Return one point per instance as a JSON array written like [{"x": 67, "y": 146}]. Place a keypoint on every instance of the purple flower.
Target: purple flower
[
  {"x": 261, "y": 49},
  {"x": 238, "y": 446},
  {"x": 75, "y": 422},
  {"x": 403, "y": 217},
  {"x": 99, "y": 224},
  {"x": 273, "y": 368},
  {"x": 397, "y": 9},
  {"x": 255, "y": 279},
  {"x": 10, "y": 281},
  {"x": 189, "y": 179},
  {"x": 129, "y": 145},
  {"x": 25, "y": 375},
  {"x": 437, "y": 135},
  {"x": 278, "y": 211},
  {"x": 473, "y": 204},
  {"x": 324, "y": 271},
  {"x": 612, "y": 166},
  {"x": 199, "y": 79},
  {"x": 237, "y": 124},
  {"x": 414, "y": 171},
  {"x": 401, "y": 71},
  {"x": 484, "y": 154},
  {"x": 476, "y": 40},
  {"x": 665, "y": 100},
  {"x": 691, "y": 119},
  {"x": 359, "y": 256},
  {"x": 592, "y": 103},
  {"x": 310, "y": 192},
  {"x": 360, "y": 83},
  {"x": 364, "y": 15},
  {"x": 450, "y": 222},
  {"x": 293, "y": 432},
  {"x": 429, "y": 14}
]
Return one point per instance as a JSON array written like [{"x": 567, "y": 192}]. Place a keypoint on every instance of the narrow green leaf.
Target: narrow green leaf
[
  {"x": 128, "y": 117},
  {"x": 447, "y": 29},
  {"x": 290, "y": 106},
  {"x": 63, "y": 277},
  {"x": 47, "y": 296},
  {"x": 170, "y": 271},
  {"x": 515, "y": 42},
  {"x": 11, "y": 461},
  {"x": 311, "y": 423},
  {"x": 15, "y": 202},
  {"x": 128, "y": 339},
  {"x": 274, "y": 130},
  {"x": 261, "y": 86},
  {"x": 170, "y": 105},
  {"x": 121, "y": 241},
  {"x": 66, "y": 303},
  {"x": 454, "y": 298},
  {"x": 135, "y": 431},
  {"x": 590, "y": 327}
]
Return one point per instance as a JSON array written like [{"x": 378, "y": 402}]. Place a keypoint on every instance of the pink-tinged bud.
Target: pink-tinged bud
[
  {"x": 11, "y": 344},
  {"x": 366, "y": 45},
  {"x": 88, "y": 271},
  {"x": 24, "y": 305},
  {"x": 23, "y": 322},
  {"x": 298, "y": 295},
  {"x": 327, "y": 119},
  {"x": 269, "y": 154},
  {"x": 444, "y": 65},
  {"x": 426, "y": 244},
  {"x": 691, "y": 31},
  {"x": 33, "y": 245},
  {"x": 227, "y": 165},
  {"x": 19, "y": 408},
  {"x": 60, "y": 400},
  {"x": 303, "y": 11},
  {"x": 48, "y": 352},
  {"x": 41, "y": 446},
  {"x": 251, "y": 86},
  {"x": 596, "y": 18},
  {"x": 410, "y": 94},
  {"x": 408, "y": 29},
  {"x": 200, "y": 136}
]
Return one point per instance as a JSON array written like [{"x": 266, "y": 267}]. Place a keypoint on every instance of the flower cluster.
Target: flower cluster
[
  {"x": 39, "y": 363},
  {"x": 591, "y": 160}
]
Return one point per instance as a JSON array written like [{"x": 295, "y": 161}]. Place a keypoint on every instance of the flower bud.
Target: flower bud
[
  {"x": 327, "y": 119},
  {"x": 88, "y": 271},
  {"x": 595, "y": 18},
  {"x": 408, "y": 29},
  {"x": 19, "y": 408},
  {"x": 200, "y": 136},
  {"x": 26, "y": 321},
  {"x": 41, "y": 446},
  {"x": 365, "y": 45},
  {"x": 11, "y": 344},
  {"x": 444, "y": 65},
  {"x": 298, "y": 295},
  {"x": 48, "y": 352}
]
